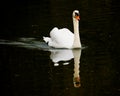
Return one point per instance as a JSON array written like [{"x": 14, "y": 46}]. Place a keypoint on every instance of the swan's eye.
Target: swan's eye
[{"x": 77, "y": 14}]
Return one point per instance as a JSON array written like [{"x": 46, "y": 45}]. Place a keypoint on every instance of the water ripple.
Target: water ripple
[{"x": 31, "y": 43}]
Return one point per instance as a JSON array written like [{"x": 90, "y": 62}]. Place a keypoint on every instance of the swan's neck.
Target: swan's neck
[{"x": 76, "y": 43}]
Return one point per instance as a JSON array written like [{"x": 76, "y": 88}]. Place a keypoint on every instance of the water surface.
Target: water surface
[{"x": 29, "y": 67}]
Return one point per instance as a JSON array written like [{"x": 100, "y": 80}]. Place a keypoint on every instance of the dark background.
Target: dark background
[
  {"x": 19, "y": 16},
  {"x": 99, "y": 25},
  {"x": 26, "y": 18}
]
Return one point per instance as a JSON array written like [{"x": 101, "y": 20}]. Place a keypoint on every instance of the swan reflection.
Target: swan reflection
[
  {"x": 61, "y": 55},
  {"x": 66, "y": 55}
]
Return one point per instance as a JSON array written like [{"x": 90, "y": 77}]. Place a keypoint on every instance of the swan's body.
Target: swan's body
[
  {"x": 64, "y": 38},
  {"x": 60, "y": 38}
]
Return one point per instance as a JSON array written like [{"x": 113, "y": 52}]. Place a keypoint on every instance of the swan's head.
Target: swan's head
[{"x": 76, "y": 15}]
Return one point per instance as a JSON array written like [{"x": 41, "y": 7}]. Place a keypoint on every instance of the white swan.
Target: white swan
[{"x": 64, "y": 38}]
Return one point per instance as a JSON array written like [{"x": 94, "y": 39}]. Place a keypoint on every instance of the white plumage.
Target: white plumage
[
  {"x": 60, "y": 38},
  {"x": 64, "y": 38}
]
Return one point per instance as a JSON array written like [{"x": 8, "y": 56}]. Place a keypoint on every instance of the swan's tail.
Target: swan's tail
[{"x": 46, "y": 39}]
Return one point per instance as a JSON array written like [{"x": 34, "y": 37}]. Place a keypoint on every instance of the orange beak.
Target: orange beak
[{"x": 77, "y": 17}]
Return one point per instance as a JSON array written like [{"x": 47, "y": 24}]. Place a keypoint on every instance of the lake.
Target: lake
[{"x": 29, "y": 67}]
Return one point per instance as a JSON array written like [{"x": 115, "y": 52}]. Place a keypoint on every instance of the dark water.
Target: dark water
[
  {"x": 34, "y": 69},
  {"x": 29, "y": 67}
]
